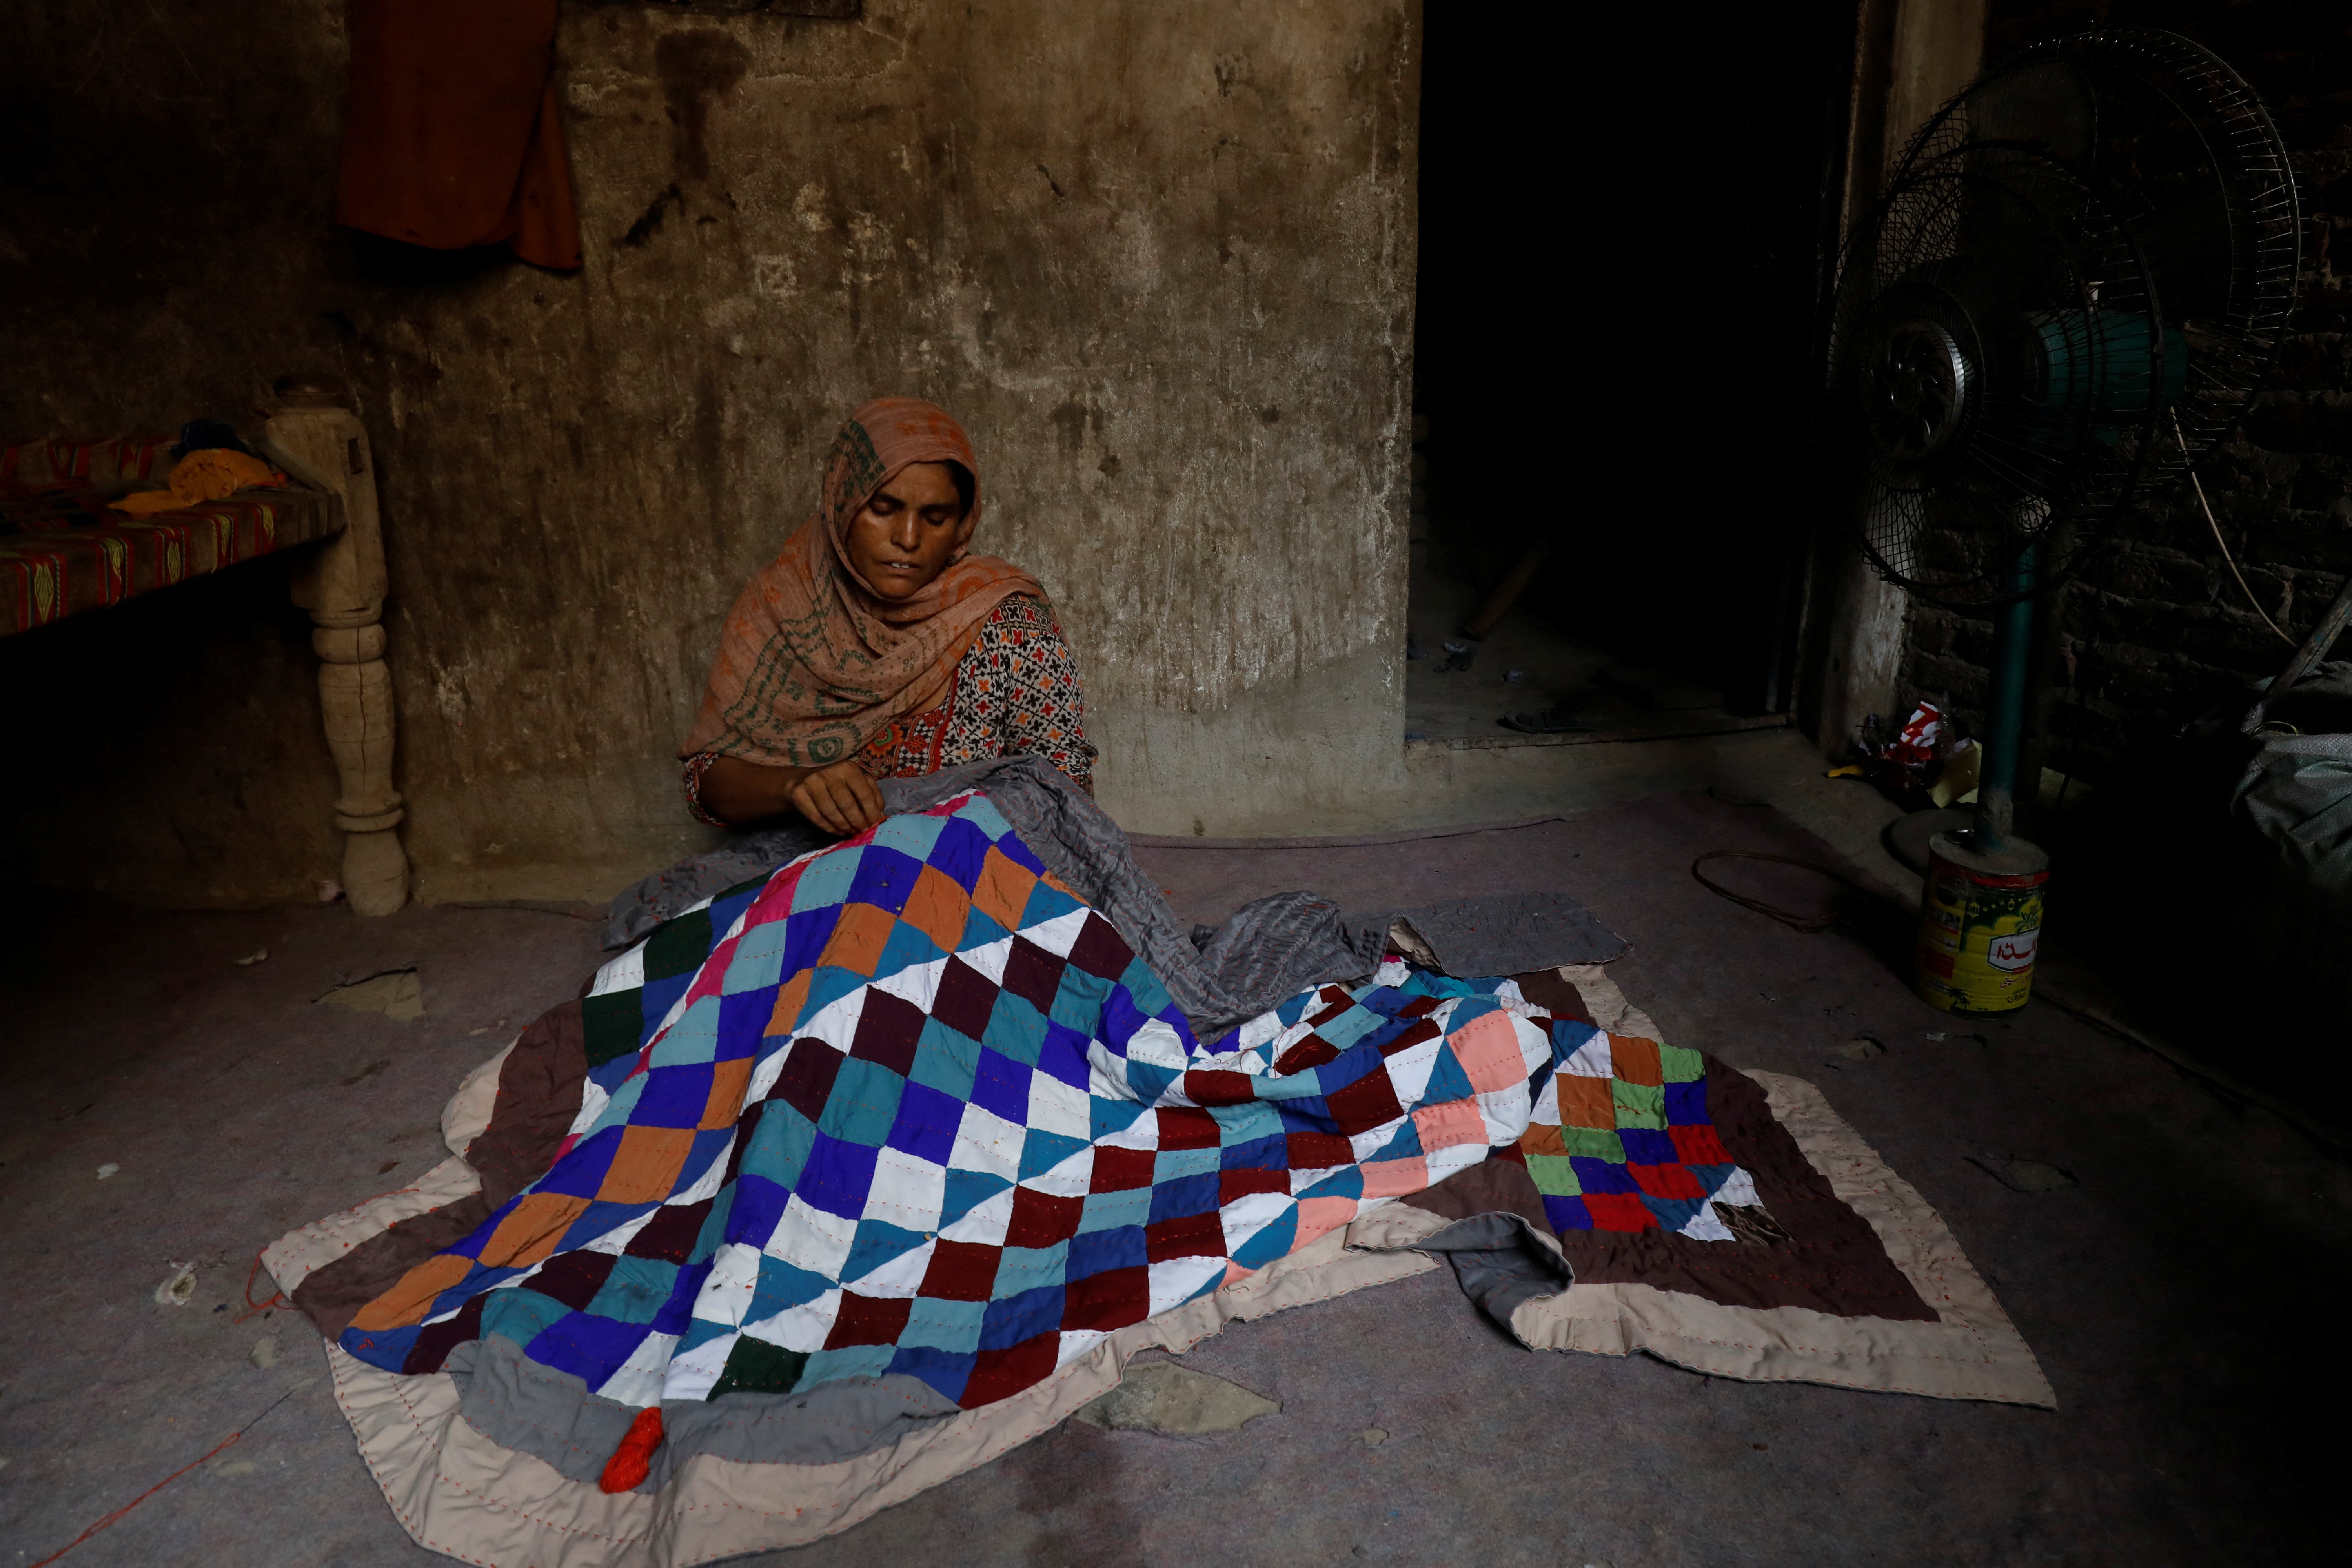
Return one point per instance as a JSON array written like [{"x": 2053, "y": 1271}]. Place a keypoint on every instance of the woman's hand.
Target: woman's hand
[{"x": 838, "y": 799}]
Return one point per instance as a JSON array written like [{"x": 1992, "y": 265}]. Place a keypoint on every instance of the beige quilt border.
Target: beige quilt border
[{"x": 458, "y": 1492}]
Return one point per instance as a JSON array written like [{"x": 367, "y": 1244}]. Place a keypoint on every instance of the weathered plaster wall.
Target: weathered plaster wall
[{"x": 1159, "y": 258}]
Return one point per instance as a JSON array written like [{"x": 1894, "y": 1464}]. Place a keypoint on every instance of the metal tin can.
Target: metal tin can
[{"x": 1979, "y": 928}]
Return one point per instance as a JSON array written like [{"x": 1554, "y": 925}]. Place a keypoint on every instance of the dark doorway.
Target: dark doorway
[{"x": 1623, "y": 249}]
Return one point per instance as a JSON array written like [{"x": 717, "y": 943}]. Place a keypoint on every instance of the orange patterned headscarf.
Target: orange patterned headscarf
[{"x": 812, "y": 662}]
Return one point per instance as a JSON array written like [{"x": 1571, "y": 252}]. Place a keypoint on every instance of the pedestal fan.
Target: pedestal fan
[{"x": 2070, "y": 290}]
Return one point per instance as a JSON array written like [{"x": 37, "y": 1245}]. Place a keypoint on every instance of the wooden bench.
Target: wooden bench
[{"x": 63, "y": 553}]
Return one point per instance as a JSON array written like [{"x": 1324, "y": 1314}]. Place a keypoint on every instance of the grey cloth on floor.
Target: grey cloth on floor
[
  {"x": 1272, "y": 948},
  {"x": 533, "y": 1409},
  {"x": 1512, "y": 933},
  {"x": 1501, "y": 1261}
]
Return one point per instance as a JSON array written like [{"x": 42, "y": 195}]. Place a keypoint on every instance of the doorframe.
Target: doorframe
[{"x": 1910, "y": 57}]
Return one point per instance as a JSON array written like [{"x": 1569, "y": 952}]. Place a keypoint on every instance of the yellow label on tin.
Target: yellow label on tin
[{"x": 1977, "y": 937}]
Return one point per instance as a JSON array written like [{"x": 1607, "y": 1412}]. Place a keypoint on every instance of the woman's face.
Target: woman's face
[{"x": 907, "y": 533}]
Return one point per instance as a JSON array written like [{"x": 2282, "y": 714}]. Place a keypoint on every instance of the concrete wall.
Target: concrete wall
[
  {"x": 1158, "y": 257},
  {"x": 2157, "y": 629}
]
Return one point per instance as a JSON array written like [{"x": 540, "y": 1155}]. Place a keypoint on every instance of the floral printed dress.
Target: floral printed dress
[{"x": 1016, "y": 692}]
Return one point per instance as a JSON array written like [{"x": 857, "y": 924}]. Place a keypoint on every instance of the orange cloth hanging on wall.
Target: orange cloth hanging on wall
[{"x": 451, "y": 137}]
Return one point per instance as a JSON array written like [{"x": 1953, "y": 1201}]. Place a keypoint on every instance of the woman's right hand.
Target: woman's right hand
[{"x": 838, "y": 799}]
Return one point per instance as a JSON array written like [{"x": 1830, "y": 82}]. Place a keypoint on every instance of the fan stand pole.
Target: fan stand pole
[
  {"x": 1981, "y": 908},
  {"x": 2005, "y": 713}
]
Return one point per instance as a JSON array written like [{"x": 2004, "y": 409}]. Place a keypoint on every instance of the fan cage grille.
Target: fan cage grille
[{"x": 2163, "y": 129}]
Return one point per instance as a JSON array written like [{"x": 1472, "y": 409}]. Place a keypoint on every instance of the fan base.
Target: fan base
[{"x": 1980, "y": 925}]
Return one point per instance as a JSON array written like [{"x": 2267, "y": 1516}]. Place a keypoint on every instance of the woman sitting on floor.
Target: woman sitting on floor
[{"x": 875, "y": 647}]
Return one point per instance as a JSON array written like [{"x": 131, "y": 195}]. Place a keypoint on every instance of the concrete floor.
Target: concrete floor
[
  {"x": 1527, "y": 662},
  {"x": 2172, "y": 1296}
]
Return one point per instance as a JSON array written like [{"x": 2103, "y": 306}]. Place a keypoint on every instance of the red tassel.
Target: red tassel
[{"x": 633, "y": 1460}]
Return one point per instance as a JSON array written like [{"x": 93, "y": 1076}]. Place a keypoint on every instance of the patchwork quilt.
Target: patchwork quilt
[
  {"x": 879, "y": 1164},
  {"x": 1620, "y": 1139},
  {"x": 909, "y": 1107}
]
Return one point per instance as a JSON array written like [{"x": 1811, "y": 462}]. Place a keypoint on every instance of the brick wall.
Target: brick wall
[{"x": 2156, "y": 631}]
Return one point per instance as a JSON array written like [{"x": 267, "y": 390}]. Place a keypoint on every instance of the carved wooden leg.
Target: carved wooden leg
[
  {"x": 355, "y": 693},
  {"x": 324, "y": 443}
]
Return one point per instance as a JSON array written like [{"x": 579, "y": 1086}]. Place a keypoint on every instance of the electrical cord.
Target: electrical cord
[
  {"x": 2226, "y": 557},
  {"x": 1810, "y": 925}
]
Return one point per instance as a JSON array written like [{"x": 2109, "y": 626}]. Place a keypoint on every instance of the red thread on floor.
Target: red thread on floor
[
  {"x": 276, "y": 1298},
  {"x": 134, "y": 1502}
]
